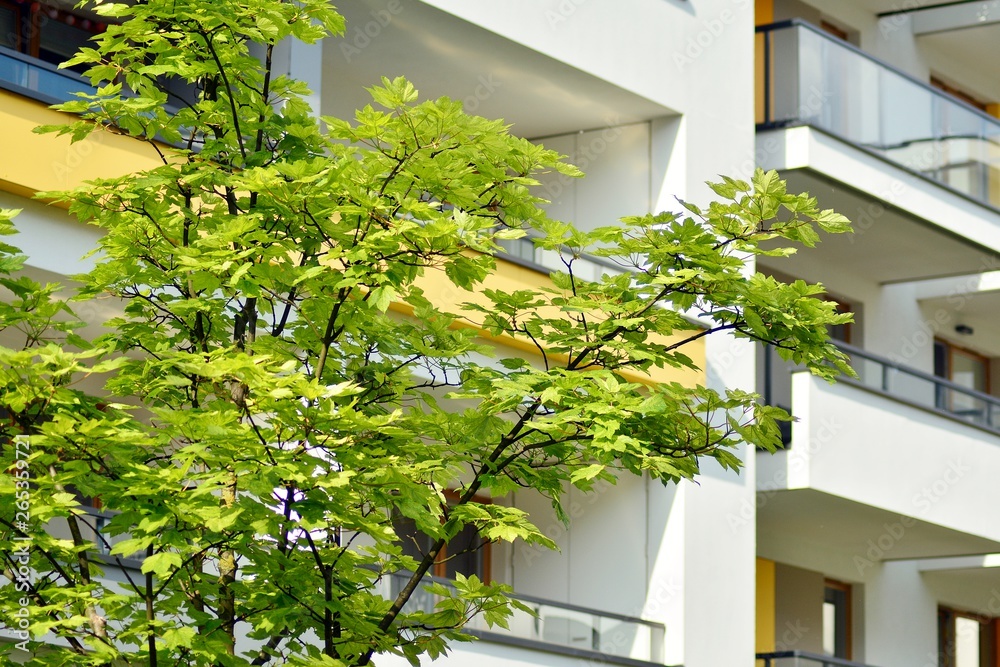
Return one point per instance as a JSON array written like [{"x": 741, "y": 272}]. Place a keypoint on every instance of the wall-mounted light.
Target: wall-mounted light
[{"x": 963, "y": 329}]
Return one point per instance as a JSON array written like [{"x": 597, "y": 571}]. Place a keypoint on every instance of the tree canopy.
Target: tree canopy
[{"x": 280, "y": 389}]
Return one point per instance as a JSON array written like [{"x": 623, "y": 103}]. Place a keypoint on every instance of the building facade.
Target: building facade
[{"x": 871, "y": 538}]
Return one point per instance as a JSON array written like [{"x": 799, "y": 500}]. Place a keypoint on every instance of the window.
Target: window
[
  {"x": 10, "y": 18},
  {"x": 94, "y": 521},
  {"x": 44, "y": 31},
  {"x": 837, "y": 619},
  {"x": 958, "y": 93},
  {"x": 467, "y": 553},
  {"x": 834, "y": 30},
  {"x": 965, "y": 368},
  {"x": 966, "y": 640},
  {"x": 841, "y": 332}
]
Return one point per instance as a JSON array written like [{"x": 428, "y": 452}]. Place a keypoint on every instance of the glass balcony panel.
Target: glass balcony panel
[
  {"x": 832, "y": 78},
  {"x": 990, "y": 150},
  {"x": 784, "y": 57},
  {"x": 910, "y": 387},
  {"x": 907, "y": 122},
  {"x": 966, "y": 406},
  {"x": 568, "y": 628},
  {"x": 870, "y": 372},
  {"x": 961, "y": 153}
]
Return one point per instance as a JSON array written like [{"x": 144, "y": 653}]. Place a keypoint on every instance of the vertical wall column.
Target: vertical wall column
[{"x": 303, "y": 62}]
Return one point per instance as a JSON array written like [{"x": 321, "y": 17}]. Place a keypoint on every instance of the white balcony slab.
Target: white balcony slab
[
  {"x": 932, "y": 231},
  {"x": 867, "y": 472}
]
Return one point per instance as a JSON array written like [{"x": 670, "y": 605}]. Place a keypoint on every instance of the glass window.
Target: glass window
[
  {"x": 59, "y": 41},
  {"x": 841, "y": 332},
  {"x": 837, "y": 619},
  {"x": 966, "y": 369},
  {"x": 45, "y": 32},
  {"x": 9, "y": 17},
  {"x": 966, "y": 640},
  {"x": 467, "y": 553}
]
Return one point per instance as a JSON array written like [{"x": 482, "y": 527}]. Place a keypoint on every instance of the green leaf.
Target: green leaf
[{"x": 161, "y": 564}]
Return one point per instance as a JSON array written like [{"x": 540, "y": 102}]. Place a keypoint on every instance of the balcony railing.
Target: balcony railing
[
  {"x": 899, "y": 382},
  {"x": 37, "y": 79},
  {"x": 808, "y": 77},
  {"x": 803, "y": 659},
  {"x": 565, "y": 625}
]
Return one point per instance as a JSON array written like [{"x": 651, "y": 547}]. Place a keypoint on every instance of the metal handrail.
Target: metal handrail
[
  {"x": 600, "y": 633},
  {"x": 936, "y": 380},
  {"x": 806, "y": 655},
  {"x": 984, "y": 414}
]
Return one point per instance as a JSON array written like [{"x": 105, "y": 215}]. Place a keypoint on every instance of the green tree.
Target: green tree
[{"x": 278, "y": 389}]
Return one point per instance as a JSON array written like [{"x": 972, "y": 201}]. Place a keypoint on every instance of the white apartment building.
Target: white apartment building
[{"x": 873, "y": 538}]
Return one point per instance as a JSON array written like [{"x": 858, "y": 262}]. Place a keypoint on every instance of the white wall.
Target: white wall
[
  {"x": 52, "y": 239},
  {"x": 900, "y": 617},
  {"x": 617, "y": 180}
]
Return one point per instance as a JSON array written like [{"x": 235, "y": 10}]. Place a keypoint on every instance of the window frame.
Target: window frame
[
  {"x": 989, "y": 637},
  {"x": 847, "y": 590},
  {"x": 440, "y": 567},
  {"x": 951, "y": 349}
]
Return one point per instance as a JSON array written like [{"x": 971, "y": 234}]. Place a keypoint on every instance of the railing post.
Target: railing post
[{"x": 885, "y": 377}]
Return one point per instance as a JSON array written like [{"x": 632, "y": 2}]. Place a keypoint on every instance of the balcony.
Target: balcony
[
  {"x": 37, "y": 79},
  {"x": 903, "y": 384},
  {"x": 560, "y": 628},
  {"x": 807, "y": 77},
  {"x": 895, "y": 459}
]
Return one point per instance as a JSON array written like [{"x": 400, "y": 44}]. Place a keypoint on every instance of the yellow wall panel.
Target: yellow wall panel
[
  {"x": 38, "y": 162},
  {"x": 765, "y": 606},
  {"x": 511, "y": 277},
  {"x": 763, "y": 11}
]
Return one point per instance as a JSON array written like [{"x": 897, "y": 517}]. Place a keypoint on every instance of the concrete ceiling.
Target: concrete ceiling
[
  {"x": 887, "y": 246},
  {"x": 798, "y": 526},
  {"x": 975, "y": 49},
  {"x": 980, "y": 311},
  {"x": 973, "y": 589},
  {"x": 883, "y": 6},
  {"x": 496, "y": 77}
]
